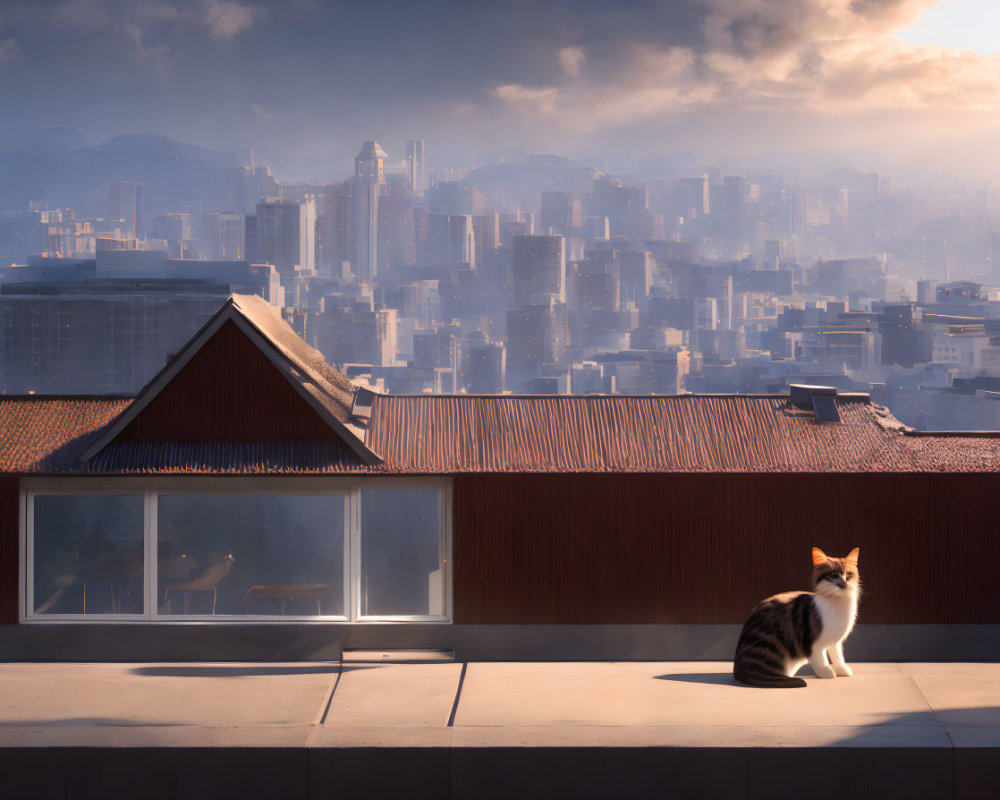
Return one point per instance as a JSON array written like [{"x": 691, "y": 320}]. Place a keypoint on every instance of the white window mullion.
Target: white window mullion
[
  {"x": 447, "y": 545},
  {"x": 152, "y": 554},
  {"x": 355, "y": 553},
  {"x": 29, "y": 554},
  {"x": 346, "y": 595}
]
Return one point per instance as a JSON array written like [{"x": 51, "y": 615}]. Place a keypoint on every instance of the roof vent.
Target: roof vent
[
  {"x": 821, "y": 399},
  {"x": 361, "y": 406}
]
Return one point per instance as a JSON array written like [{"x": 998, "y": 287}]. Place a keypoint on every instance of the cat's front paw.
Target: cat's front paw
[
  {"x": 843, "y": 671},
  {"x": 824, "y": 671}
]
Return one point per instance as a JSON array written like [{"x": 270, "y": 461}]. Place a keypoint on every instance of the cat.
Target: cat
[{"x": 789, "y": 629}]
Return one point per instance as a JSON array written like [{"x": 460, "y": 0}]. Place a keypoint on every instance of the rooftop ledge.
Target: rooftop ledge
[{"x": 492, "y": 730}]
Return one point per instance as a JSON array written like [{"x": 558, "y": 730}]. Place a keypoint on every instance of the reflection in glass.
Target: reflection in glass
[
  {"x": 251, "y": 554},
  {"x": 88, "y": 554},
  {"x": 401, "y": 561}
]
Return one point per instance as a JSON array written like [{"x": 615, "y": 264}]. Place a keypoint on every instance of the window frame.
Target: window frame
[{"x": 150, "y": 488}]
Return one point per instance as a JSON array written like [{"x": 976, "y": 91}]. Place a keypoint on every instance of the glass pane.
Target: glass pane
[
  {"x": 401, "y": 567},
  {"x": 251, "y": 554},
  {"x": 88, "y": 554}
]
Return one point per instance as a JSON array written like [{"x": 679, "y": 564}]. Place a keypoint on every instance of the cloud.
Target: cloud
[
  {"x": 571, "y": 59},
  {"x": 260, "y": 112},
  {"x": 574, "y": 76},
  {"x": 8, "y": 48},
  {"x": 817, "y": 56},
  {"x": 225, "y": 19},
  {"x": 533, "y": 102}
]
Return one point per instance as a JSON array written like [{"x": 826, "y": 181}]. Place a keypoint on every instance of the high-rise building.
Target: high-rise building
[
  {"x": 396, "y": 242},
  {"x": 691, "y": 197},
  {"x": 484, "y": 364},
  {"x": 536, "y": 335},
  {"x": 126, "y": 204},
  {"x": 223, "y": 237},
  {"x": 560, "y": 213},
  {"x": 416, "y": 166},
  {"x": 283, "y": 233},
  {"x": 333, "y": 228},
  {"x": 358, "y": 336},
  {"x": 538, "y": 271},
  {"x": 369, "y": 176},
  {"x": 450, "y": 239}
]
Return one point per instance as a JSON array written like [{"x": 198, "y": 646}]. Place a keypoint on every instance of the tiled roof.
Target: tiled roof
[
  {"x": 959, "y": 452},
  {"x": 686, "y": 433},
  {"x": 455, "y": 434},
  {"x": 49, "y": 434}
]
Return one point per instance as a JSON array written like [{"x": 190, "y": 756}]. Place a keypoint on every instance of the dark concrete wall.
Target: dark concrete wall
[
  {"x": 705, "y": 548},
  {"x": 9, "y": 543},
  {"x": 327, "y": 641}
]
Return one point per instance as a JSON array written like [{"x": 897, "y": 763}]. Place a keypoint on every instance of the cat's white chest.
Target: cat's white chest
[{"x": 838, "y": 616}]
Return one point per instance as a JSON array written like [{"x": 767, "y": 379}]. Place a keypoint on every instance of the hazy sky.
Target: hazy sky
[{"x": 305, "y": 81}]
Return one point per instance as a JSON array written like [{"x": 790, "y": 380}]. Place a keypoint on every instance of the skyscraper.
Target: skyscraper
[
  {"x": 127, "y": 205},
  {"x": 450, "y": 240},
  {"x": 538, "y": 271},
  {"x": 368, "y": 179},
  {"x": 416, "y": 166},
  {"x": 283, "y": 233},
  {"x": 560, "y": 213}
]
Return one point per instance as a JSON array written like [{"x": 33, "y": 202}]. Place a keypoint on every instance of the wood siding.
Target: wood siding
[
  {"x": 703, "y": 549},
  {"x": 229, "y": 392},
  {"x": 9, "y": 543}
]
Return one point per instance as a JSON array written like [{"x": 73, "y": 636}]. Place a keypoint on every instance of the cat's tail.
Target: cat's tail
[{"x": 768, "y": 680}]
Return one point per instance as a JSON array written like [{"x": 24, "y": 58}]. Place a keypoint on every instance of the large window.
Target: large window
[{"x": 186, "y": 551}]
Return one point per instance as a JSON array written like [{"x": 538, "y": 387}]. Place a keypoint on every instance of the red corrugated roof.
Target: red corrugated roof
[
  {"x": 48, "y": 434},
  {"x": 623, "y": 433},
  {"x": 460, "y": 433}
]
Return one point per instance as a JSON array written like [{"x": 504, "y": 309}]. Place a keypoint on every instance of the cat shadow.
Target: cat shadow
[
  {"x": 708, "y": 678},
  {"x": 722, "y": 678},
  {"x": 242, "y": 671}
]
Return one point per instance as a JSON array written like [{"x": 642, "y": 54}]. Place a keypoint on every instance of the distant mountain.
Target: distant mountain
[
  {"x": 522, "y": 182},
  {"x": 60, "y": 168}
]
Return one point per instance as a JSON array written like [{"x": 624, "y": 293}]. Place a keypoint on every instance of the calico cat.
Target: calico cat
[{"x": 789, "y": 629}]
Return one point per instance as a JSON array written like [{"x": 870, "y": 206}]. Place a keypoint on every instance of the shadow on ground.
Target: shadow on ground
[{"x": 710, "y": 678}]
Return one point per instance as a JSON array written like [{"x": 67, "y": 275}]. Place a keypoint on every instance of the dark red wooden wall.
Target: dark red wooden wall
[
  {"x": 9, "y": 542},
  {"x": 696, "y": 549},
  {"x": 228, "y": 392},
  {"x": 607, "y": 549}
]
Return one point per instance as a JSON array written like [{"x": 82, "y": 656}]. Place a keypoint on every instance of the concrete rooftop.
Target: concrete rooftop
[{"x": 492, "y": 730}]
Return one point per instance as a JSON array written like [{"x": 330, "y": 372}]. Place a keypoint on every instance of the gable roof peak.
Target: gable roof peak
[{"x": 329, "y": 392}]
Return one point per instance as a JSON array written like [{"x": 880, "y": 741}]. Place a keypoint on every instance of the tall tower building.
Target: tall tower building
[
  {"x": 283, "y": 233},
  {"x": 538, "y": 270},
  {"x": 560, "y": 213},
  {"x": 416, "y": 166},
  {"x": 369, "y": 175},
  {"x": 127, "y": 205}
]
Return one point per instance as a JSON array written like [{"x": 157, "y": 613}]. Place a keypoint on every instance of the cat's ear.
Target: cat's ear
[
  {"x": 853, "y": 556},
  {"x": 819, "y": 557}
]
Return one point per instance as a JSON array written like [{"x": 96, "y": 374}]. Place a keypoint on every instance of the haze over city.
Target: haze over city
[{"x": 526, "y": 197}]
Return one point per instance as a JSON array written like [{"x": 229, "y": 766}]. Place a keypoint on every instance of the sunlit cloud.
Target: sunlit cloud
[
  {"x": 824, "y": 57},
  {"x": 571, "y": 59},
  {"x": 226, "y": 19}
]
